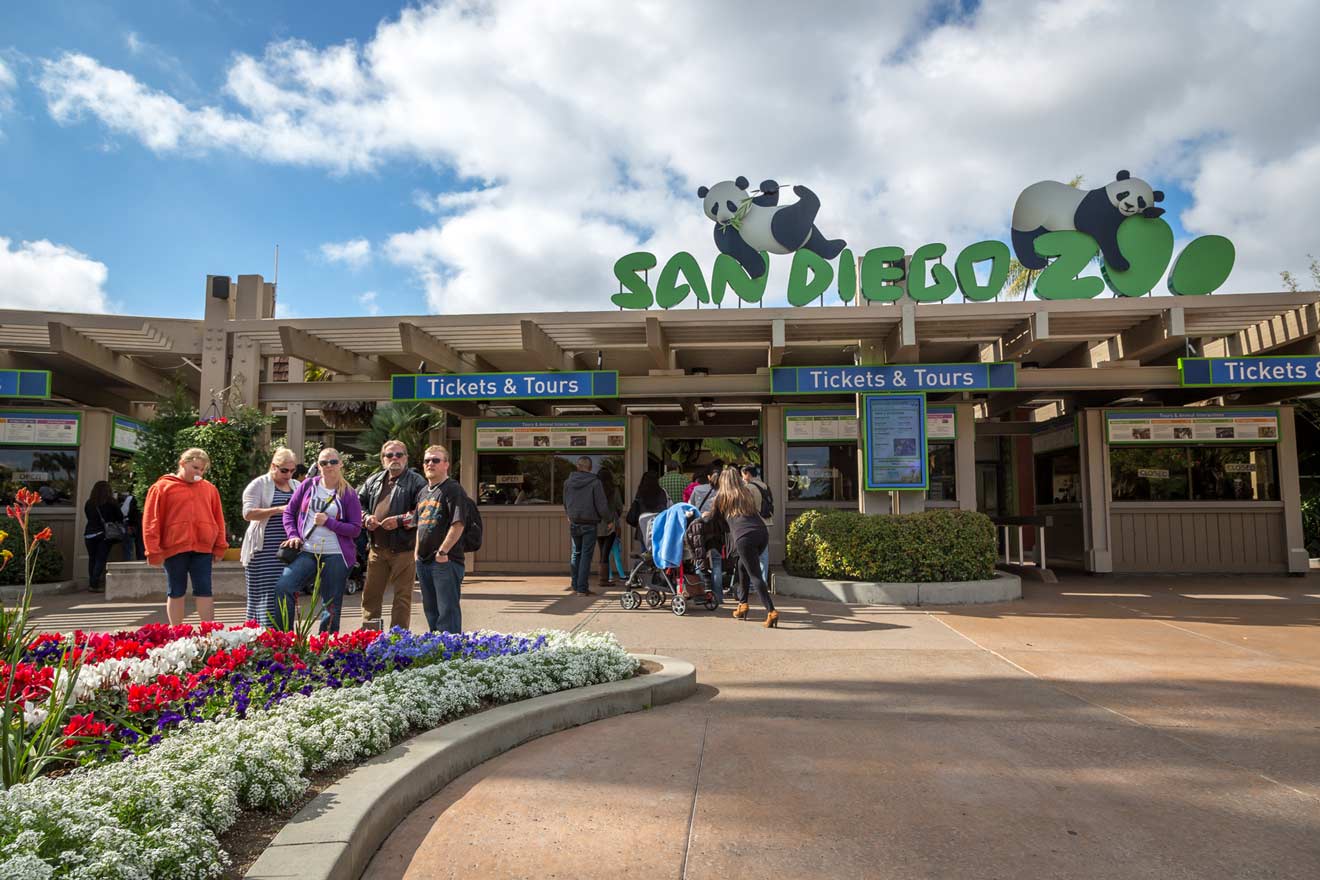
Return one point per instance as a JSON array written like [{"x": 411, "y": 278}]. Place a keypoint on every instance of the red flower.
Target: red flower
[
  {"x": 43, "y": 535},
  {"x": 84, "y": 727}
]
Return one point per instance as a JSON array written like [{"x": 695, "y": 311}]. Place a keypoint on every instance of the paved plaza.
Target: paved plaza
[{"x": 1099, "y": 728}]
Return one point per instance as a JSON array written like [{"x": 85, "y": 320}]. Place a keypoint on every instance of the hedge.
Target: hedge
[
  {"x": 928, "y": 547},
  {"x": 50, "y": 561}
]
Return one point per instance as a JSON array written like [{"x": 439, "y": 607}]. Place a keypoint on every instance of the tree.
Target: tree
[
  {"x": 409, "y": 423},
  {"x": 1290, "y": 280},
  {"x": 1019, "y": 276}
]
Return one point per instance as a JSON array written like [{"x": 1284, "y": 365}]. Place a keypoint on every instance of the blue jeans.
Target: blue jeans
[
  {"x": 442, "y": 586},
  {"x": 717, "y": 574},
  {"x": 98, "y": 553},
  {"x": 765, "y": 563},
  {"x": 579, "y": 562},
  {"x": 181, "y": 566},
  {"x": 330, "y": 593}
]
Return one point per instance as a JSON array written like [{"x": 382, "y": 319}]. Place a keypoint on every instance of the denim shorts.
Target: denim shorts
[{"x": 189, "y": 564}]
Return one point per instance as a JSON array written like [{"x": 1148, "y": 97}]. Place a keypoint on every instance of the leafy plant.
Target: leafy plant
[
  {"x": 31, "y": 712},
  {"x": 932, "y": 546},
  {"x": 409, "y": 423},
  {"x": 46, "y": 568},
  {"x": 158, "y": 453}
]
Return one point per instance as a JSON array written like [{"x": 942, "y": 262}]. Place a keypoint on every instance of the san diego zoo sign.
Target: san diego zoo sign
[{"x": 1057, "y": 230}]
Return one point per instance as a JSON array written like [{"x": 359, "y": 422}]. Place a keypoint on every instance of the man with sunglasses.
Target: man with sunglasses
[
  {"x": 389, "y": 505},
  {"x": 441, "y": 517}
]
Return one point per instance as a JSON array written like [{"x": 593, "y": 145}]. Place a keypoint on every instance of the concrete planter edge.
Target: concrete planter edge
[{"x": 1003, "y": 587}]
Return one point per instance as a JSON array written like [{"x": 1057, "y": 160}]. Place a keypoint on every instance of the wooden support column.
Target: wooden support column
[
  {"x": 900, "y": 346},
  {"x": 1290, "y": 492},
  {"x": 295, "y": 428},
  {"x": 1095, "y": 493},
  {"x": 215, "y": 347},
  {"x": 964, "y": 454}
]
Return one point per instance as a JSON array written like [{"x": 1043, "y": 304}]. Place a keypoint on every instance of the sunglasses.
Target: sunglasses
[
  {"x": 284, "y": 470},
  {"x": 328, "y": 461},
  {"x": 394, "y": 455},
  {"x": 433, "y": 460}
]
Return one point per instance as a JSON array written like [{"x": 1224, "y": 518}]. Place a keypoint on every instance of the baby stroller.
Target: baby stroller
[{"x": 682, "y": 584}]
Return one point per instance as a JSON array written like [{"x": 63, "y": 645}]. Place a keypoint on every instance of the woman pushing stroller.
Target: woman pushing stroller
[{"x": 737, "y": 513}]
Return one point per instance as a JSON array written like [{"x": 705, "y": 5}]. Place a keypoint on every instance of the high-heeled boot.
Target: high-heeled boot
[
  {"x": 772, "y": 620},
  {"x": 740, "y": 613}
]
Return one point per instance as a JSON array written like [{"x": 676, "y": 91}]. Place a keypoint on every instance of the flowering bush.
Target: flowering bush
[{"x": 177, "y": 729}]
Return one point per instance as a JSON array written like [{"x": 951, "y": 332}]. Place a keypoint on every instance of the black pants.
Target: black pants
[
  {"x": 749, "y": 569},
  {"x": 98, "y": 552}
]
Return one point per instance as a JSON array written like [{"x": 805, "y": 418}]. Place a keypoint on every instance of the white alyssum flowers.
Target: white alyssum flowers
[{"x": 160, "y": 815}]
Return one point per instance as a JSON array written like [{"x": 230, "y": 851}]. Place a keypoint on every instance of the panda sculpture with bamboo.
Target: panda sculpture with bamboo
[
  {"x": 746, "y": 225},
  {"x": 1051, "y": 206}
]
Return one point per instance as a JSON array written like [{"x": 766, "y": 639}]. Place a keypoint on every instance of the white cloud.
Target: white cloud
[
  {"x": 50, "y": 277},
  {"x": 7, "y": 86},
  {"x": 354, "y": 253},
  {"x": 367, "y": 300},
  {"x": 582, "y": 133}
]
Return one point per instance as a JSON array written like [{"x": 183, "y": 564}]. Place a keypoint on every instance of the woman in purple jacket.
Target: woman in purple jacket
[{"x": 323, "y": 517}]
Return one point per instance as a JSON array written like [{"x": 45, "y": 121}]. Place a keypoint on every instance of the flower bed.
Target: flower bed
[{"x": 173, "y": 730}]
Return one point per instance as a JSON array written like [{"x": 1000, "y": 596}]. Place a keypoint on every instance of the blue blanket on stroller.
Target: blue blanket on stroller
[{"x": 667, "y": 534}]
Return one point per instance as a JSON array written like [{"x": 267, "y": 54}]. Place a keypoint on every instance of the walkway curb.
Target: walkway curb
[
  {"x": 1003, "y": 587},
  {"x": 337, "y": 833}
]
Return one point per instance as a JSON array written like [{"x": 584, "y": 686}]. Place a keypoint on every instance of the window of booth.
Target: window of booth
[
  {"x": 51, "y": 473},
  {"x": 942, "y": 464},
  {"x": 1194, "y": 473},
  {"x": 827, "y": 472},
  {"x": 508, "y": 478},
  {"x": 1058, "y": 477}
]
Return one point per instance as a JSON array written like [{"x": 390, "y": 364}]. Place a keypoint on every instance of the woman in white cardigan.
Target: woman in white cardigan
[{"x": 263, "y": 503}]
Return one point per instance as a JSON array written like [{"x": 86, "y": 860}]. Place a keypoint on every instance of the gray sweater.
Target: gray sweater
[{"x": 584, "y": 498}]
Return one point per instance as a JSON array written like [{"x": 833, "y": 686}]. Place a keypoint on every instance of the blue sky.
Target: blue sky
[{"x": 502, "y": 155}]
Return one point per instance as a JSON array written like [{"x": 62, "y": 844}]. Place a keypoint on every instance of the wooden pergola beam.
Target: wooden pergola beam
[
  {"x": 657, "y": 342},
  {"x": 1154, "y": 337},
  {"x": 537, "y": 342},
  {"x": 777, "y": 344},
  {"x": 69, "y": 343},
  {"x": 301, "y": 344},
  {"x": 1019, "y": 342},
  {"x": 439, "y": 357}
]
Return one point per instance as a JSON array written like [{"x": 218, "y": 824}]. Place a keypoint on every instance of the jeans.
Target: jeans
[
  {"x": 579, "y": 562},
  {"x": 765, "y": 563},
  {"x": 330, "y": 593},
  {"x": 188, "y": 564},
  {"x": 442, "y": 587},
  {"x": 98, "y": 553},
  {"x": 717, "y": 574},
  {"x": 749, "y": 550}
]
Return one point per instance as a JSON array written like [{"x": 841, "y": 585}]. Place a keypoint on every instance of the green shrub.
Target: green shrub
[
  {"x": 932, "y": 546},
  {"x": 50, "y": 561},
  {"x": 1311, "y": 524},
  {"x": 229, "y": 470}
]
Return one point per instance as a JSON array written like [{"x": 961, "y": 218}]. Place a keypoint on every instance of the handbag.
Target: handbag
[{"x": 115, "y": 532}]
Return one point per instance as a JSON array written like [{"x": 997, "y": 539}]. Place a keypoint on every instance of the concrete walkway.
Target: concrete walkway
[{"x": 1100, "y": 728}]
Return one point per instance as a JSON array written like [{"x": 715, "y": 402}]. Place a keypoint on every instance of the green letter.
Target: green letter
[
  {"x": 1059, "y": 279},
  {"x": 847, "y": 275},
  {"x": 668, "y": 292},
  {"x": 801, "y": 290},
  {"x": 728, "y": 272},
  {"x": 1148, "y": 245},
  {"x": 944, "y": 285},
  {"x": 994, "y": 251},
  {"x": 882, "y": 268},
  {"x": 1202, "y": 266},
  {"x": 628, "y": 269}
]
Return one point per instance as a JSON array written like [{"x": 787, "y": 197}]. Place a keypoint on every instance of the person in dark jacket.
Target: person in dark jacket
[
  {"x": 101, "y": 508},
  {"x": 389, "y": 514},
  {"x": 587, "y": 507},
  {"x": 737, "y": 510}
]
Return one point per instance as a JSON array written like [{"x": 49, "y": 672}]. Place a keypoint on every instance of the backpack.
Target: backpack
[
  {"x": 470, "y": 540},
  {"x": 767, "y": 501}
]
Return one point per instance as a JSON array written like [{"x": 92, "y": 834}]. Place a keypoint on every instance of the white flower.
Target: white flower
[{"x": 34, "y": 713}]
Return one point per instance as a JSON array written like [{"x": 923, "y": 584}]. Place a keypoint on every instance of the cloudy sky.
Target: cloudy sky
[{"x": 461, "y": 156}]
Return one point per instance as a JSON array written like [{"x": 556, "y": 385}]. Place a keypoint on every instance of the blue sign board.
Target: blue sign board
[
  {"x": 1202, "y": 372},
  {"x": 505, "y": 386},
  {"x": 894, "y": 431},
  {"x": 25, "y": 383},
  {"x": 893, "y": 377}
]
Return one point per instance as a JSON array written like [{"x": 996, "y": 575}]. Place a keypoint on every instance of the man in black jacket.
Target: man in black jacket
[
  {"x": 585, "y": 504},
  {"x": 389, "y": 505}
]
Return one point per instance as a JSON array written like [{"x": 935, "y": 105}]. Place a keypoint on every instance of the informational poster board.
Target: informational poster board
[
  {"x": 39, "y": 428},
  {"x": 126, "y": 434},
  {"x": 1169, "y": 427},
  {"x": 584, "y": 435},
  {"x": 895, "y": 441},
  {"x": 1053, "y": 436},
  {"x": 840, "y": 425}
]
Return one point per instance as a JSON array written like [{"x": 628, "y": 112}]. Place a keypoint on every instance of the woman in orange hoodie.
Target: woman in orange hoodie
[{"x": 183, "y": 528}]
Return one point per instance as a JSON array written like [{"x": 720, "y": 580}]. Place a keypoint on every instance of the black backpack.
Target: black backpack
[
  {"x": 470, "y": 540},
  {"x": 767, "y": 502}
]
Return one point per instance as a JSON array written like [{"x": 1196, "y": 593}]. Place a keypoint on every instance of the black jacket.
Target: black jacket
[{"x": 404, "y": 500}]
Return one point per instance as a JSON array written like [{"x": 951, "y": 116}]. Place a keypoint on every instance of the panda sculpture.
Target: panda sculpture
[
  {"x": 745, "y": 226},
  {"x": 1050, "y": 206}
]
